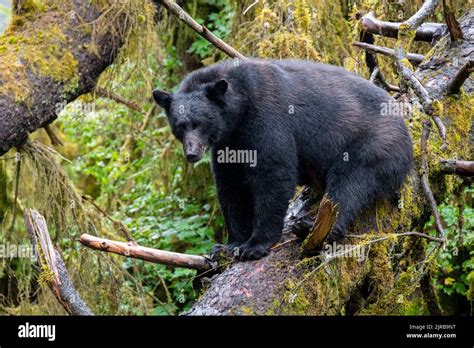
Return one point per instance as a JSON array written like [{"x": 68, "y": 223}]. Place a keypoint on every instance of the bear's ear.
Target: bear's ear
[
  {"x": 162, "y": 98},
  {"x": 217, "y": 90}
]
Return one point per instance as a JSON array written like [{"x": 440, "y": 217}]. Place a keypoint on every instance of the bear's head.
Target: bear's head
[{"x": 197, "y": 117}]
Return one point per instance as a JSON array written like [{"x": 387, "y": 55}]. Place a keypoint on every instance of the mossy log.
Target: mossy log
[
  {"x": 287, "y": 283},
  {"x": 52, "y": 52}
]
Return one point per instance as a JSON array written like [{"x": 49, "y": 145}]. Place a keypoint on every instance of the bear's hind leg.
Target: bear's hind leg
[{"x": 352, "y": 189}]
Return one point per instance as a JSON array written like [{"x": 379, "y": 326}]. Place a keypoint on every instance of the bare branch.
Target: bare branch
[
  {"x": 420, "y": 16},
  {"x": 430, "y": 106},
  {"x": 413, "y": 57},
  {"x": 427, "y": 32},
  {"x": 460, "y": 77},
  {"x": 424, "y": 179},
  {"x": 462, "y": 168},
  {"x": 163, "y": 257},
  {"x": 119, "y": 99},
  {"x": 174, "y": 8}
]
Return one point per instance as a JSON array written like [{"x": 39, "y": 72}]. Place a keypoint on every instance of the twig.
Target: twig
[
  {"x": 147, "y": 118},
  {"x": 427, "y": 32},
  {"x": 119, "y": 99},
  {"x": 249, "y": 7},
  {"x": 327, "y": 260},
  {"x": 460, "y": 77},
  {"x": 424, "y": 179},
  {"x": 147, "y": 254},
  {"x": 462, "y": 168},
  {"x": 453, "y": 26},
  {"x": 403, "y": 234},
  {"x": 174, "y": 8},
  {"x": 119, "y": 225},
  {"x": 279, "y": 245},
  {"x": 414, "y": 57}
]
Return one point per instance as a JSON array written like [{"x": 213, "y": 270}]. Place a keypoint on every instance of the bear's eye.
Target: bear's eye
[{"x": 197, "y": 124}]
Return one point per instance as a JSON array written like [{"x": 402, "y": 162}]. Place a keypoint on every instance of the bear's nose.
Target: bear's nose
[{"x": 192, "y": 157}]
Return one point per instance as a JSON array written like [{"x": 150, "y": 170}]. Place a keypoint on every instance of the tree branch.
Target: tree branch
[
  {"x": 430, "y": 106},
  {"x": 462, "y": 168},
  {"x": 413, "y": 57},
  {"x": 119, "y": 99},
  {"x": 420, "y": 16},
  {"x": 174, "y": 8},
  {"x": 453, "y": 26},
  {"x": 163, "y": 257},
  {"x": 460, "y": 77},
  {"x": 29, "y": 97},
  {"x": 424, "y": 179},
  {"x": 428, "y": 32}
]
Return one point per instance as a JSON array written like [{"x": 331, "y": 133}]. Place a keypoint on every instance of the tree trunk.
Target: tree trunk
[{"x": 49, "y": 55}]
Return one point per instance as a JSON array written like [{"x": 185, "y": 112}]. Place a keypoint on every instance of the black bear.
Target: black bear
[{"x": 305, "y": 122}]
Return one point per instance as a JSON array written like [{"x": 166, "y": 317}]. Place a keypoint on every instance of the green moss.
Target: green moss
[{"x": 42, "y": 51}]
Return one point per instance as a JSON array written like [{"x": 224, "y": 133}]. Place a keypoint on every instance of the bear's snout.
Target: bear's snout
[{"x": 193, "y": 147}]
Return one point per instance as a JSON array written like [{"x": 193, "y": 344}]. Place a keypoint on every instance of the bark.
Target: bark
[
  {"x": 50, "y": 260},
  {"x": 32, "y": 88}
]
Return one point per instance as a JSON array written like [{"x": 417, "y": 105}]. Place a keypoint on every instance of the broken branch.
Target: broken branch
[
  {"x": 163, "y": 257},
  {"x": 50, "y": 260}
]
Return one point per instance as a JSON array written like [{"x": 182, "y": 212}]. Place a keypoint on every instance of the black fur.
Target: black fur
[{"x": 336, "y": 136}]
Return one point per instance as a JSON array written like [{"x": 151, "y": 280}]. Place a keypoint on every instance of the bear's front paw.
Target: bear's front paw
[{"x": 252, "y": 252}]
